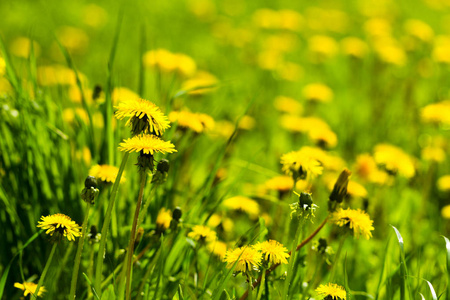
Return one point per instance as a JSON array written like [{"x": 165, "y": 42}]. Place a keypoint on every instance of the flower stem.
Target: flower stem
[
  {"x": 47, "y": 265},
  {"x": 105, "y": 228},
  {"x": 292, "y": 259},
  {"x": 76, "y": 266},
  {"x": 336, "y": 259},
  {"x": 129, "y": 268}
]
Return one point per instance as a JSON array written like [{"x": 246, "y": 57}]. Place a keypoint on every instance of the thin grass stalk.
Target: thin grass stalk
[
  {"x": 47, "y": 265},
  {"x": 129, "y": 268},
  {"x": 106, "y": 223},
  {"x": 292, "y": 259},
  {"x": 336, "y": 259},
  {"x": 76, "y": 266}
]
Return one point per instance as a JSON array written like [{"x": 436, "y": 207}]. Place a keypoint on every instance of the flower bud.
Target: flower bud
[
  {"x": 176, "y": 215},
  {"x": 90, "y": 190},
  {"x": 90, "y": 181},
  {"x": 339, "y": 190},
  {"x": 96, "y": 92},
  {"x": 145, "y": 162}
]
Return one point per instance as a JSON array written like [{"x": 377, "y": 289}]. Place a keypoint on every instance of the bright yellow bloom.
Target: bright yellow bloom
[
  {"x": 322, "y": 47},
  {"x": 431, "y": 153},
  {"x": 317, "y": 92},
  {"x": 218, "y": 248},
  {"x": 123, "y": 93},
  {"x": 202, "y": 233},
  {"x": 280, "y": 183},
  {"x": 445, "y": 212},
  {"x": 395, "y": 160},
  {"x": 444, "y": 183},
  {"x": 216, "y": 220},
  {"x": 244, "y": 204},
  {"x": 288, "y": 105},
  {"x": 355, "y": 219},
  {"x": 21, "y": 47},
  {"x": 437, "y": 112},
  {"x": 247, "y": 259},
  {"x": 194, "y": 121},
  {"x": 164, "y": 218},
  {"x": 168, "y": 62},
  {"x": 332, "y": 291},
  {"x": 2, "y": 66},
  {"x": 105, "y": 173},
  {"x": 74, "y": 39},
  {"x": 367, "y": 169},
  {"x": 61, "y": 224},
  {"x": 143, "y": 109},
  {"x": 354, "y": 47},
  {"x": 202, "y": 83},
  {"x": 420, "y": 30},
  {"x": 273, "y": 252},
  {"x": 355, "y": 189},
  {"x": 148, "y": 144},
  {"x": 296, "y": 162},
  {"x": 30, "y": 288}
]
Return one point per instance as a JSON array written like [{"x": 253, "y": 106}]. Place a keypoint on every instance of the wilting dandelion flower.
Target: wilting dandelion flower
[
  {"x": 60, "y": 224},
  {"x": 145, "y": 117},
  {"x": 30, "y": 288},
  {"x": 202, "y": 233},
  {"x": 355, "y": 219},
  {"x": 148, "y": 144},
  {"x": 331, "y": 291},
  {"x": 105, "y": 173},
  {"x": 247, "y": 259},
  {"x": 273, "y": 251}
]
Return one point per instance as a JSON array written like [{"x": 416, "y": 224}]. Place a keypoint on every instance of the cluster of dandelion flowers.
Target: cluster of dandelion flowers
[
  {"x": 30, "y": 288},
  {"x": 273, "y": 251},
  {"x": 148, "y": 144},
  {"x": 144, "y": 116},
  {"x": 60, "y": 224},
  {"x": 202, "y": 233},
  {"x": 355, "y": 219},
  {"x": 246, "y": 259},
  {"x": 332, "y": 291}
]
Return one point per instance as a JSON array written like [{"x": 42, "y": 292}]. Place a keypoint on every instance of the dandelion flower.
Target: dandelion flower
[
  {"x": 148, "y": 144},
  {"x": 301, "y": 165},
  {"x": 395, "y": 160},
  {"x": 105, "y": 173},
  {"x": 218, "y": 248},
  {"x": 436, "y": 112},
  {"x": 332, "y": 291},
  {"x": 317, "y": 92},
  {"x": 60, "y": 224},
  {"x": 164, "y": 218},
  {"x": 246, "y": 259},
  {"x": 273, "y": 251},
  {"x": 280, "y": 183},
  {"x": 145, "y": 112},
  {"x": 30, "y": 288},
  {"x": 444, "y": 183},
  {"x": 357, "y": 220},
  {"x": 202, "y": 233},
  {"x": 244, "y": 204},
  {"x": 194, "y": 121}
]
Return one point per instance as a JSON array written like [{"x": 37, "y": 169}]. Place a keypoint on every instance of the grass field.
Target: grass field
[{"x": 203, "y": 149}]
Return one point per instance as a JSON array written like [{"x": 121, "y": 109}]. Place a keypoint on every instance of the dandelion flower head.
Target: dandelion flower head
[
  {"x": 245, "y": 204},
  {"x": 148, "y": 144},
  {"x": 105, "y": 173},
  {"x": 30, "y": 288},
  {"x": 444, "y": 183},
  {"x": 202, "y": 233},
  {"x": 246, "y": 259},
  {"x": 395, "y": 160},
  {"x": 355, "y": 219},
  {"x": 273, "y": 251},
  {"x": 218, "y": 248},
  {"x": 61, "y": 224},
  {"x": 164, "y": 218},
  {"x": 331, "y": 291},
  {"x": 299, "y": 164}
]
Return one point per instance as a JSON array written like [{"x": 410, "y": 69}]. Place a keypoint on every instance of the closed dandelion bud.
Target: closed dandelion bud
[
  {"x": 176, "y": 215},
  {"x": 304, "y": 207},
  {"x": 162, "y": 168},
  {"x": 90, "y": 190},
  {"x": 96, "y": 92},
  {"x": 94, "y": 235},
  {"x": 145, "y": 162},
  {"x": 339, "y": 190}
]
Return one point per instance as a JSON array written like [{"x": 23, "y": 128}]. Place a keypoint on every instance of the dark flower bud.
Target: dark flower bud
[
  {"x": 90, "y": 181},
  {"x": 96, "y": 92},
  {"x": 90, "y": 190},
  {"x": 176, "y": 214},
  {"x": 145, "y": 162},
  {"x": 339, "y": 190},
  {"x": 163, "y": 166},
  {"x": 305, "y": 200}
]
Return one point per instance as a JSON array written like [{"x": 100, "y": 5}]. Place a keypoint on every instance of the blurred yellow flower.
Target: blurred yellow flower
[
  {"x": 377, "y": 27},
  {"x": 30, "y": 288},
  {"x": 390, "y": 51},
  {"x": 203, "y": 9},
  {"x": 332, "y": 291},
  {"x": 58, "y": 75},
  {"x": 218, "y": 248},
  {"x": 123, "y": 94},
  {"x": 215, "y": 221},
  {"x": 273, "y": 252},
  {"x": 74, "y": 39},
  {"x": 445, "y": 212},
  {"x": 419, "y": 30},
  {"x": 436, "y": 112},
  {"x": 167, "y": 61},
  {"x": 355, "y": 219},
  {"x": 281, "y": 183},
  {"x": 148, "y": 144},
  {"x": 61, "y": 225},
  {"x": 202, "y": 83},
  {"x": 441, "y": 49},
  {"x": 355, "y": 189},
  {"x": 290, "y": 20},
  {"x": 2, "y": 66},
  {"x": 21, "y": 47},
  {"x": 195, "y": 121},
  {"x": 317, "y": 92},
  {"x": 354, "y": 47},
  {"x": 300, "y": 165},
  {"x": 245, "y": 204},
  {"x": 246, "y": 259},
  {"x": 106, "y": 173},
  {"x": 444, "y": 183},
  {"x": 322, "y": 47},
  {"x": 288, "y": 105},
  {"x": 164, "y": 218},
  {"x": 395, "y": 160},
  {"x": 94, "y": 16},
  {"x": 431, "y": 153},
  {"x": 202, "y": 233},
  {"x": 366, "y": 168}
]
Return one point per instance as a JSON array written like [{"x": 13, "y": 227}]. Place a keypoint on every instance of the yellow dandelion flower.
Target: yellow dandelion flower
[
  {"x": 164, "y": 218},
  {"x": 247, "y": 259},
  {"x": 445, "y": 212},
  {"x": 123, "y": 93},
  {"x": 218, "y": 248},
  {"x": 444, "y": 183},
  {"x": 420, "y": 30},
  {"x": 202, "y": 83},
  {"x": 148, "y": 144},
  {"x": 322, "y": 46},
  {"x": 317, "y": 92},
  {"x": 300, "y": 165},
  {"x": 395, "y": 160},
  {"x": 105, "y": 173},
  {"x": 437, "y": 112},
  {"x": 288, "y": 105},
  {"x": 245, "y": 204},
  {"x": 202, "y": 233},
  {"x": 30, "y": 288},
  {"x": 215, "y": 220},
  {"x": 94, "y": 16},
  {"x": 355, "y": 219},
  {"x": 273, "y": 251},
  {"x": 332, "y": 291},
  {"x": 280, "y": 183},
  {"x": 194, "y": 121},
  {"x": 155, "y": 122},
  {"x": 21, "y": 47},
  {"x": 431, "y": 153},
  {"x": 74, "y": 39},
  {"x": 323, "y": 137},
  {"x": 354, "y": 47},
  {"x": 60, "y": 224},
  {"x": 355, "y": 189},
  {"x": 367, "y": 169},
  {"x": 2, "y": 66}
]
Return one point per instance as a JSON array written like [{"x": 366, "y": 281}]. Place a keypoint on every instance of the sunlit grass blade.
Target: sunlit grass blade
[
  {"x": 447, "y": 247},
  {"x": 94, "y": 292},
  {"x": 404, "y": 271}
]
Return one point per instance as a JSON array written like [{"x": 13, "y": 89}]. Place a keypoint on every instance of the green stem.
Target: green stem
[
  {"x": 129, "y": 269},
  {"x": 261, "y": 287},
  {"x": 292, "y": 260},
  {"x": 76, "y": 266},
  {"x": 47, "y": 265},
  {"x": 338, "y": 253},
  {"x": 105, "y": 228},
  {"x": 146, "y": 205},
  {"x": 250, "y": 287}
]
